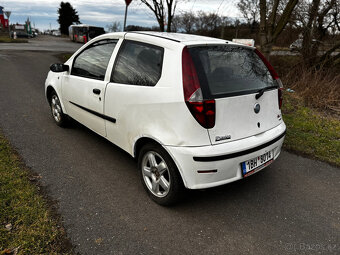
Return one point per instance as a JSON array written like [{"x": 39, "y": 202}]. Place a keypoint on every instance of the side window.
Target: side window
[
  {"x": 138, "y": 64},
  {"x": 93, "y": 61}
]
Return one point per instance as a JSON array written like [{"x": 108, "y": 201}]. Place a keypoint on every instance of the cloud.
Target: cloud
[{"x": 44, "y": 12}]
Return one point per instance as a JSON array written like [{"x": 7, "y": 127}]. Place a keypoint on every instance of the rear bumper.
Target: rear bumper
[{"x": 224, "y": 159}]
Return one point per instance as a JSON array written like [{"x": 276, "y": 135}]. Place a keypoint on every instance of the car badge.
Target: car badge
[
  {"x": 257, "y": 108},
  {"x": 224, "y": 137}
]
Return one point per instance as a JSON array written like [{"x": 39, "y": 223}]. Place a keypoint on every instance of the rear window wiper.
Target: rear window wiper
[{"x": 261, "y": 91}]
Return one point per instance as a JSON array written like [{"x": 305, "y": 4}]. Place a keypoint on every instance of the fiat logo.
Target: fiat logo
[{"x": 257, "y": 108}]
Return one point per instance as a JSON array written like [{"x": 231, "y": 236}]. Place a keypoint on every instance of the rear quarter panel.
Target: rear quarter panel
[{"x": 157, "y": 112}]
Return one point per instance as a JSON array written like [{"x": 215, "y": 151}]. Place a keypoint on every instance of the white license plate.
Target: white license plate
[{"x": 253, "y": 165}]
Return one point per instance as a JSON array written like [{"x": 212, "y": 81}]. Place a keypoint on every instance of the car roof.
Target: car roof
[
  {"x": 186, "y": 39},
  {"x": 179, "y": 37}
]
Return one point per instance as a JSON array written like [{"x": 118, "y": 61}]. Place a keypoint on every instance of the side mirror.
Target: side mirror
[{"x": 58, "y": 68}]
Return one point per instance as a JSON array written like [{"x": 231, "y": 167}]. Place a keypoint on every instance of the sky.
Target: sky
[{"x": 43, "y": 13}]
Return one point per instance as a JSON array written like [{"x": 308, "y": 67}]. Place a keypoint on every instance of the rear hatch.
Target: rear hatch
[{"x": 244, "y": 86}]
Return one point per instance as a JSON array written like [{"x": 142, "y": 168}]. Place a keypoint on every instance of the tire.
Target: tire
[
  {"x": 159, "y": 175},
  {"x": 61, "y": 119}
]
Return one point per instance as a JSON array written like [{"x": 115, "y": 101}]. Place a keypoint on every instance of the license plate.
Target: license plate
[{"x": 253, "y": 165}]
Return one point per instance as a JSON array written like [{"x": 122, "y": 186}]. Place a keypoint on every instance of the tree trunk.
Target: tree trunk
[
  {"x": 265, "y": 48},
  {"x": 306, "y": 50},
  {"x": 161, "y": 25},
  {"x": 169, "y": 22},
  {"x": 170, "y": 13},
  {"x": 270, "y": 29}
]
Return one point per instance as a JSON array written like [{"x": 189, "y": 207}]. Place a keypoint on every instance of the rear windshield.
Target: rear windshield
[{"x": 226, "y": 70}]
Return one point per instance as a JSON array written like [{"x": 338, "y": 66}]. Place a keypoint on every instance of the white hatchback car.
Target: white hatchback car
[{"x": 196, "y": 112}]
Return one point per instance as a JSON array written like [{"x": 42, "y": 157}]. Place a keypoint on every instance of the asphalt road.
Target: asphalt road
[
  {"x": 43, "y": 43},
  {"x": 291, "y": 207}
]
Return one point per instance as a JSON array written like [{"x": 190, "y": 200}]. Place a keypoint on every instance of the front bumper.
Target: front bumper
[{"x": 224, "y": 159}]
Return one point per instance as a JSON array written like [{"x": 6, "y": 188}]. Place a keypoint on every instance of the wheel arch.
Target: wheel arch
[
  {"x": 49, "y": 90},
  {"x": 140, "y": 142}
]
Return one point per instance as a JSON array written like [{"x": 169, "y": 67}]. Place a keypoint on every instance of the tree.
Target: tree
[
  {"x": 208, "y": 24},
  {"x": 185, "y": 22},
  {"x": 140, "y": 28},
  {"x": 272, "y": 21},
  {"x": 67, "y": 16},
  {"x": 114, "y": 27},
  {"x": 249, "y": 10},
  {"x": 274, "y": 16},
  {"x": 202, "y": 23},
  {"x": 320, "y": 20},
  {"x": 160, "y": 11}
]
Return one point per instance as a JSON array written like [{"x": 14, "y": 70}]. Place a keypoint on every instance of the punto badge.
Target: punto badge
[{"x": 257, "y": 108}]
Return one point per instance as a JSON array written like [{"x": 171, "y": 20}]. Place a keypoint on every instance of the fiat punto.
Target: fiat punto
[{"x": 196, "y": 112}]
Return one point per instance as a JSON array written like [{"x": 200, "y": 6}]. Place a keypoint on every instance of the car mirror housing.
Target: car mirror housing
[{"x": 58, "y": 68}]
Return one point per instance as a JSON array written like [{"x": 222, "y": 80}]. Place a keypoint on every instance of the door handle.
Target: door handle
[{"x": 96, "y": 91}]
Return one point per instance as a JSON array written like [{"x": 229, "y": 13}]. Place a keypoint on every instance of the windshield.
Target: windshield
[{"x": 226, "y": 70}]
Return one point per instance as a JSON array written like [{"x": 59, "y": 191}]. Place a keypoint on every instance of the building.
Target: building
[{"x": 3, "y": 20}]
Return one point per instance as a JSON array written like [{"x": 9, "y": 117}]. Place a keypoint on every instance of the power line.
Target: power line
[
  {"x": 218, "y": 9},
  {"x": 192, "y": 7}
]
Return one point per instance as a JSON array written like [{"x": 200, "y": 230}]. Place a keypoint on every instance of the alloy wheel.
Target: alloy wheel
[{"x": 156, "y": 174}]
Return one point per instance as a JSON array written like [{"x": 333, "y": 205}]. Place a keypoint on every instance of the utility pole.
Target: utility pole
[{"x": 127, "y": 2}]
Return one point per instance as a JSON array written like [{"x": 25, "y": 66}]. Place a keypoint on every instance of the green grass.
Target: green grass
[
  {"x": 34, "y": 228},
  {"x": 311, "y": 133},
  {"x": 5, "y": 39}
]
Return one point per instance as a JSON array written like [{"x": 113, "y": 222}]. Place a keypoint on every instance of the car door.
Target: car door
[
  {"x": 83, "y": 89},
  {"x": 130, "y": 95}
]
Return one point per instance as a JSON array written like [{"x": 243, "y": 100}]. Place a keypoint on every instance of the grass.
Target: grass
[
  {"x": 27, "y": 222},
  {"x": 319, "y": 88},
  {"x": 312, "y": 112},
  {"x": 277, "y": 48},
  {"x": 63, "y": 57},
  {"x": 309, "y": 132},
  {"x": 5, "y": 39}
]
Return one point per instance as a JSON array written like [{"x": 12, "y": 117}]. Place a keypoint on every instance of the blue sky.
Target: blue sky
[{"x": 43, "y": 13}]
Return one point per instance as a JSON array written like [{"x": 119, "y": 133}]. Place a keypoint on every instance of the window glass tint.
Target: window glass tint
[
  {"x": 229, "y": 70},
  {"x": 138, "y": 64},
  {"x": 93, "y": 61}
]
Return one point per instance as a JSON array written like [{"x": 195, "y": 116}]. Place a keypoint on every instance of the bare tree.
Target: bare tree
[
  {"x": 202, "y": 23},
  {"x": 250, "y": 10},
  {"x": 207, "y": 22},
  {"x": 185, "y": 22},
  {"x": 162, "y": 8},
  {"x": 321, "y": 19},
  {"x": 272, "y": 21},
  {"x": 114, "y": 27}
]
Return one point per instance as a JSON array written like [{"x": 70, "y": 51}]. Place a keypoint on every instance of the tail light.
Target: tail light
[
  {"x": 202, "y": 110},
  {"x": 274, "y": 75}
]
